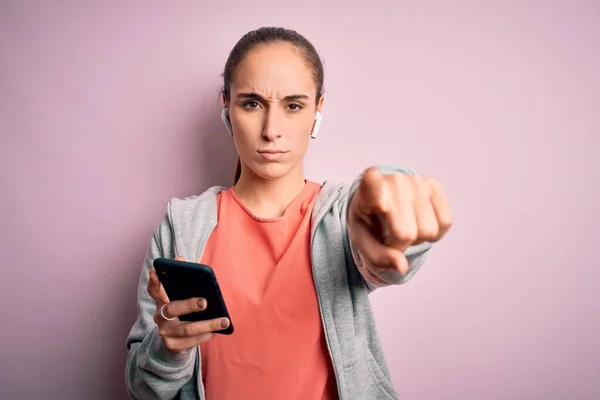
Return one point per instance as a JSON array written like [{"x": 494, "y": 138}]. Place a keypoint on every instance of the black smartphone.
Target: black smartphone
[{"x": 183, "y": 280}]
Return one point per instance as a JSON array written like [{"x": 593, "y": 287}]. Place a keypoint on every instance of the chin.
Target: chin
[{"x": 271, "y": 171}]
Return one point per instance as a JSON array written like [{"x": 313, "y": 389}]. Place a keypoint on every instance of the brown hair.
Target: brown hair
[{"x": 267, "y": 35}]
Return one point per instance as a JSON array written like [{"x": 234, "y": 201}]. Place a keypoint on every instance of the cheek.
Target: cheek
[
  {"x": 243, "y": 143},
  {"x": 299, "y": 131},
  {"x": 297, "y": 138},
  {"x": 246, "y": 130}
]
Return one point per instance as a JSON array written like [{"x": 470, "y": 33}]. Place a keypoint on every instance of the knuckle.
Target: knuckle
[
  {"x": 408, "y": 235},
  {"x": 401, "y": 181},
  {"x": 378, "y": 207},
  {"x": 423, "y": 192},
  {"x": 406, "y": 179},
  {"x": 399, "y": 178},
  {"x": 429, "y": 233},
  {"x": 204, "y": 338},
  {"x": 433, "y": 182},
  {"x": 171, "y": 345},
  {"x": 446, "y": 221},
  {"x": 444, "y": 227},
  {"x": 188, "y": 330},
  {"x": 379, "y": 260}
]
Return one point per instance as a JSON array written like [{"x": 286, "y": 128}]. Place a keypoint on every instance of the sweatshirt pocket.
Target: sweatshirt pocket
[
  {"x": 378, "y": 376},
  {"x": 365, "y": 380}
]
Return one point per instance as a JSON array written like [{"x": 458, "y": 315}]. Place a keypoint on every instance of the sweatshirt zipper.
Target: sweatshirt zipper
[
  {"x": 173, "y": 239},
  {"x": 201, "y": 393},
  {"x": 317, "y": 221}
]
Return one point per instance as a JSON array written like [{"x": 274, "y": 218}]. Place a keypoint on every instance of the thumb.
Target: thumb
[
  {"x": 156, "y": 289},
  {"x": 370, "y": 192},
  {"x": 375, "y": 253}
]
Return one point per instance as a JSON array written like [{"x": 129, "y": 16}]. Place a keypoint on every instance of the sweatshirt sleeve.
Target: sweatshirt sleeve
[
  {"x": 416, "y": 255},
  {"x": 152, "y": 371}
]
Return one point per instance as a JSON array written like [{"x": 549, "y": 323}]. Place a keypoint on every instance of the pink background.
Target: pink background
[{"x": 107, "y": 109}]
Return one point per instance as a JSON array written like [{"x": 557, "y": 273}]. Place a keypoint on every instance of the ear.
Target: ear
[
  {"x": 224, "y": 100},
  {"x": 320, "y": 103}
]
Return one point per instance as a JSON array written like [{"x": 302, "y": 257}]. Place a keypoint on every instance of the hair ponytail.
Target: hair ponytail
[{"x": 238, "y": 171}]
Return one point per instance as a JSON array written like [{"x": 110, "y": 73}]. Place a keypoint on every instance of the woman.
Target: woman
[{"x": 296, "y": 259}]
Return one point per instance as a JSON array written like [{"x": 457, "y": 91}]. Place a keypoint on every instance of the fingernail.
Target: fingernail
[
  {"x": 202, "y": 303},
  {"x": 224, "y": 323}
]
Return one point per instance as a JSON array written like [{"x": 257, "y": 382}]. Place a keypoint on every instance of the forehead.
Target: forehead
[{"x": 278, "y": 69}]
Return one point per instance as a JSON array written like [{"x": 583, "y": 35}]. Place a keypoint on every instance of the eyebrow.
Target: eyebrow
[{"x": 259, "y": 97}]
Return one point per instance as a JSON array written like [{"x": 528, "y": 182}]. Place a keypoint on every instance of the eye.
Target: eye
[
  {"x": 251, "y": 105},
  {"x": 295, "y": 107}
]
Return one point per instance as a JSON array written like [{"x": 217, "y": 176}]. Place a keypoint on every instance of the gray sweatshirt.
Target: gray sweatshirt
[{"x": 361, "y": 371}]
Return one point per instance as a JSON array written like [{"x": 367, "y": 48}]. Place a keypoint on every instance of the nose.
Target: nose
[{"x": 271, "y": 128}]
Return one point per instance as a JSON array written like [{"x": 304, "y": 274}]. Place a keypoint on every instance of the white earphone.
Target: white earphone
[
  {"x": 227, "y": 123},
  {"x": 315, "y": 130}
]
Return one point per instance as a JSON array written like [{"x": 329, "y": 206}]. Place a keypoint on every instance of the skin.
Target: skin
[{"x": 272, "y": 107}]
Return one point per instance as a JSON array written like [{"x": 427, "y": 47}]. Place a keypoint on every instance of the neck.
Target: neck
[{"x": 269, "y": 198}]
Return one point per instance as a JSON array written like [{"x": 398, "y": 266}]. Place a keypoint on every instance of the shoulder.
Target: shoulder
[
  {"x": 332, "y": 196},
  {"x": 206, "y": 199},
  {"x": 183, "y": 210},
  {"x": 333, "y": 189}
]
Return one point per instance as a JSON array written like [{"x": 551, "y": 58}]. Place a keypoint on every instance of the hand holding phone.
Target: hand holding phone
[{"x": 179, "y": 336}]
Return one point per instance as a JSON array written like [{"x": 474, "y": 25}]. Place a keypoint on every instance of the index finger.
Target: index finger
[
  {"x": 178, "y": 308},
  {"x": 370, "y": 191}
]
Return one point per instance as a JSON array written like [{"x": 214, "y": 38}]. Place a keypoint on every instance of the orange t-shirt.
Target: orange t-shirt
[{"x": 278, "y": 349}]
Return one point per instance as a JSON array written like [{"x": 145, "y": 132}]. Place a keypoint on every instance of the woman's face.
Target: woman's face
[{"x": 272, "y": 108}]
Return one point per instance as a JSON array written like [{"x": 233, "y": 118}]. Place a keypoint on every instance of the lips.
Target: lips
[
  {"x": 272, "y": 155},
  {"x": 271, "y": 151}
]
